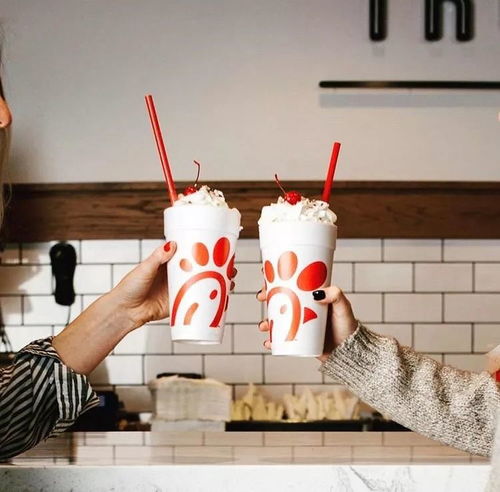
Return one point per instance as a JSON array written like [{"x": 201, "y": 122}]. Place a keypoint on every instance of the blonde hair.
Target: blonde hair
[{"x": 4, "y": 152}]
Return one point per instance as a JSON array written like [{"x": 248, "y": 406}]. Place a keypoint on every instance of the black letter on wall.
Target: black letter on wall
[
  {"x": 434, "y": 19},
  {"x": 378, "y": 20}
]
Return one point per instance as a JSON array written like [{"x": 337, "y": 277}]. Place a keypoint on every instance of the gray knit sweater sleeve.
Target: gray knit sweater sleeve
[{"x": 455, "y": 407}]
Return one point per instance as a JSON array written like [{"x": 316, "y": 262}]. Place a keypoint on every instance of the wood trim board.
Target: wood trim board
[{"x": 365, "y": 209}]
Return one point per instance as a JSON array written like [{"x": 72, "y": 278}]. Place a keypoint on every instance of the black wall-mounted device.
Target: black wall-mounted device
[{"x": 63, "y": 261}]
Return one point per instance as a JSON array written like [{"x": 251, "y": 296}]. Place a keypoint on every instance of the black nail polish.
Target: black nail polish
[
  {"x": 319, "y": 295},
  {"x": 257, "y": 295}
]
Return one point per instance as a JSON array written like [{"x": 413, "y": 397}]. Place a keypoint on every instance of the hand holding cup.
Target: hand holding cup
[{"x": 340, "y": 324}]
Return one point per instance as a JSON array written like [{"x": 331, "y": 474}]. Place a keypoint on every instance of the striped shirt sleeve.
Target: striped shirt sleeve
[{"x": 39, "y": 398}]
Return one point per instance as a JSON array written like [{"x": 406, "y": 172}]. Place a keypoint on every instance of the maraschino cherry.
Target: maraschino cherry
[
  {"x": 292, "y": 197},
  {"x": 193, "y": 188}
]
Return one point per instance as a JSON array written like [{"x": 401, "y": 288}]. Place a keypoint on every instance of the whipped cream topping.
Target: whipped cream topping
[
  {"x": 204, "y": 196},
  {"x": 305, "y": 210}
]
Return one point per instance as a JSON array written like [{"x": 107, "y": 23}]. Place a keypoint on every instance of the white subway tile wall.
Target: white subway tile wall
[
  {"x": 383, "y": 277},
  {"x": 413, "y": 307},
  {"x": 150, "y": 339},
  {"x": 119, "y": 369},
  {"x": 441, "y": 297},
  {"x": 10, "y": 254},
  {"x": 486, "y": 337},
  {"x": 471, "y": 250},
  {"x": 249, "y": 278},
  {"x": 42, "y": 310},
  {"x": 92, "y": 279},
  {"x": 11, "y": 309},
  {"x": 248, "y": 340},
  {"x": 115, "y": 251},
  {"x": 487, "y": 277},
  {"x": 444, "y": 277},
  {"x": 368, "y": 307},
  {"x": 443, "y": 338},
  {"x": 342, "y": 275},
  {"x": 234, "y": 368},
  {"x": 243, "y": 308},
  {"x": 358, "y": 250},
  {"x": 20, "y": 336},
  {"x": 35, "y": 279},
  {"x": 38, "y": 253},
  {"x": 468, "y": 362},
  {"x": 291, "y": 369},
  {"x": 411, "y": 250},
  {"x": 472, "y": 307},
  {"x": 403, "y": 333},
  {"x": 157, "y": 364}
]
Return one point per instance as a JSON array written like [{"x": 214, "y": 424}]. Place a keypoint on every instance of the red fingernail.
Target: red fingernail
[
  {"x": 167, "y": 247},
  {"x": 232, "y": 286}
]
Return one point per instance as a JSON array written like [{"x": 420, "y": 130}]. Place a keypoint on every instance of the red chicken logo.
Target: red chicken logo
[
  {"x": 200, "y": 266},
  {"x": 310, "y": 278}
]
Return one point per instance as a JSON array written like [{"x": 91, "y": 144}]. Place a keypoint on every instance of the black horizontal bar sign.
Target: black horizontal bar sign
[{"x": 409, "y": 84}]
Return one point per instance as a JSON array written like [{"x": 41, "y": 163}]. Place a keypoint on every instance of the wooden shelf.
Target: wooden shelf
[
  {"x": 410, "y": 84},
  {"x": 43, "y": 212}
]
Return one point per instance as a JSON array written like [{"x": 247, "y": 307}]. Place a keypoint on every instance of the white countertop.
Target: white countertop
[{"x": 244, "y": 461}]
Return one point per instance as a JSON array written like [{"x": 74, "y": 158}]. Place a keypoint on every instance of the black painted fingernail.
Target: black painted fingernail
[
  {"x": 257, "y": 295},
  {"x": 319, "y": 295}
]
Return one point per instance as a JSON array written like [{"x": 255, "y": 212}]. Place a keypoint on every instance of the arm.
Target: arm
[
  {"x": 46, "y": 388},
  {"x": 140, "y": 297},
  {"x": 455, "y": 407}
]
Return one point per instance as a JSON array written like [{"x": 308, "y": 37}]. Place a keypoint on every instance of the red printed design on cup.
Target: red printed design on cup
[
  {"x": 200, "y": 258},
  {"x": 310, "y": 278}
]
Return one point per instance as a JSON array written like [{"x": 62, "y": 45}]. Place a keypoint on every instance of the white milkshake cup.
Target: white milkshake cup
[
  {"x": 200, "y": 272},
  {"x": 297, "y": 258}
]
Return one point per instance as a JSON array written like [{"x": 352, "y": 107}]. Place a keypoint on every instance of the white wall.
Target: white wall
[{"x": 236, "y": 85}]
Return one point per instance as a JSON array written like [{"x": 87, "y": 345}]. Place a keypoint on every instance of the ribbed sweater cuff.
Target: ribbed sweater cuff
[{"x": 351, "y": 360}]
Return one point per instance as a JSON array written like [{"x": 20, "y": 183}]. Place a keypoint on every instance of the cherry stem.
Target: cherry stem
[
  {"x": 198, "y": 175},
  {"x": 279, "y": 184}
]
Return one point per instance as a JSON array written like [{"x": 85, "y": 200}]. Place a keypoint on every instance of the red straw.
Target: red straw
[
  {"x": 331, "y": 171},
  {"x": 162, "y": 151}
]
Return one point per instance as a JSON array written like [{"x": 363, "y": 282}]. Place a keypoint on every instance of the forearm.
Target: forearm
[
  {"x": 455, "y": 407},
  {"x": 85, "y": 342}
]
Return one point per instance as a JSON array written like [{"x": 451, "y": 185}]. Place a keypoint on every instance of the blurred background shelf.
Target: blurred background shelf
[
  {"x": 316, "y": 426},
  {"x": 411, "y": 84},
  {"x": 364, "y": 425}
]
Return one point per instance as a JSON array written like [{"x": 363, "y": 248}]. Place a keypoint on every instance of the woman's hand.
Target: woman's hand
[
  {"x": 142, "y": 293},
  {"x": 140, "y": 297},
  {"x": 340, "y": 322}
]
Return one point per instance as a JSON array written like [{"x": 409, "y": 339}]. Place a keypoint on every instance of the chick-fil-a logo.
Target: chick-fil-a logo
[
  {"x": 201, "y": 259},
  {"x": 309, "y": 278}
]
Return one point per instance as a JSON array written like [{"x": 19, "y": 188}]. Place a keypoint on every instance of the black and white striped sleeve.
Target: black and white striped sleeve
[{"x": 39, "y": 397}]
